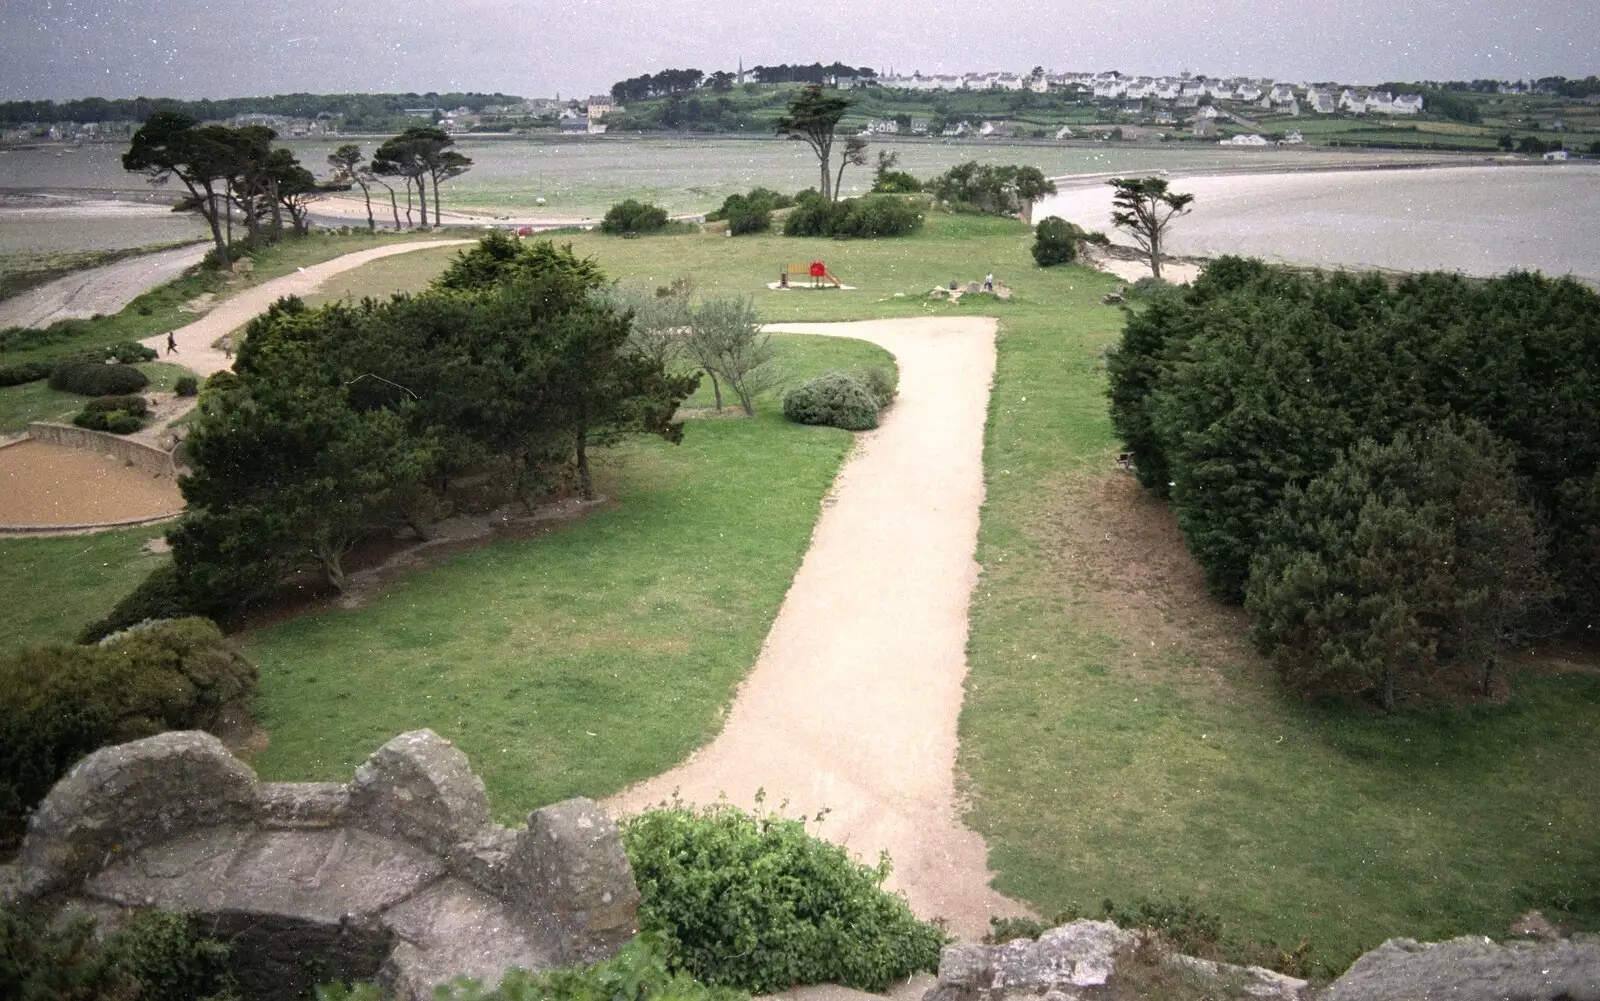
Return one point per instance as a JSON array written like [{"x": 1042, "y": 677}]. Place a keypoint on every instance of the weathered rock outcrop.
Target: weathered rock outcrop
[
  {"x": 1474, "y": 969},
  {"x": 399, "y": 874},
  {"x": 1070, "y": 962}
]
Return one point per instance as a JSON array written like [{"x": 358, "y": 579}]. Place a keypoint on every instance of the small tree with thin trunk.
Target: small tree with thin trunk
[
  {"x": 854, "y": 155},
  {"x": 725, "y": 335},
  {"x": 1145, "y": 208},
  {"x": 346, "y": 162},
  {"x": 812, "y": 118}
]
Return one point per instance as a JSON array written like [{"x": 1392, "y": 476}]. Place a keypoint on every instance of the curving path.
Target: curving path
[
  {"x": 853, "y": 703},
  {"x": 194, "y": 341},
  {"x": 105, "y": 289}
]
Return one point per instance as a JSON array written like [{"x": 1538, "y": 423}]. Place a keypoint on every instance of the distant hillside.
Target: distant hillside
[{"x": 357, "y": 110}]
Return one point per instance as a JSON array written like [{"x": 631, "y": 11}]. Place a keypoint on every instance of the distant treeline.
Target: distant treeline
[
  {"x": 814, "y": 73},
  {"x": 353, "y": 108},
  {"x": 669, "y": 82},
  {"x": 1586, "y": 87}
]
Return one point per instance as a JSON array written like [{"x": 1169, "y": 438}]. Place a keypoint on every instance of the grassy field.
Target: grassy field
[
  {"x": 1119, "y": 740},
  {"x": 52, "y": 588}
]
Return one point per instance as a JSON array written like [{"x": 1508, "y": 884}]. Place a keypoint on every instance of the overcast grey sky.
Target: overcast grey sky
[{"x": 226, "y": 48}]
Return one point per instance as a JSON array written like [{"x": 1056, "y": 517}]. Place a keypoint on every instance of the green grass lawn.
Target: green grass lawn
[
  {"x": 1118, "y": 739},
  {"x": 52, "y": 588},
  {"x": 574, "y": 663}
]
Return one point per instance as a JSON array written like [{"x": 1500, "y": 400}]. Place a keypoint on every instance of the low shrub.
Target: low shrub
[
  {"x": 17, "y": 375},
  {"x": 187, "y": 385},
  {"x": 758, "y": 200},
  {"x": 134, "y": 404},
  {"x": 1056, "y": 241},
  {"x": 154, "y": 956},
  {"x": 96, "y": 379},
  {"x": 111, "y": 421},
  {"x": 758, "y": 904},
  {"x": 858, "y": 218},
  {"x": 640, "y": 972},
  {"x": 750, "y": 220},
  {"x": 128, "y": 353},
  {"x": 59, "y": 702},
  {"x": 834, "y": 399},
  {"x": 882, "y": 383},
  {"x": 633, "y": 216}
]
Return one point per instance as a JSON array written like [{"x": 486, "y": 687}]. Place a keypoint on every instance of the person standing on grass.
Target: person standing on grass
[
  {"x": 172, "y": 343},
  {"x": 988, "y": 282}
]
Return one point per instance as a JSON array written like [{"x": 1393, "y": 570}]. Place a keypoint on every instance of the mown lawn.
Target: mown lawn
[
  {"x": 596, "y": 654},
  {"x": 1119, "y": 740},
  {"x": 50, "y": 589}
]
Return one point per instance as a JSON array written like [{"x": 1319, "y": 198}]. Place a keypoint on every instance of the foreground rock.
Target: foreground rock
[
  {"x": 1474, "y": 969},
  {"x": 398, "y": 875},
  {"x": 1079, "y": 960}
]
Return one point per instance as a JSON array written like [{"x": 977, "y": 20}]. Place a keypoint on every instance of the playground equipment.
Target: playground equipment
[{"x": 816, "y": 271}]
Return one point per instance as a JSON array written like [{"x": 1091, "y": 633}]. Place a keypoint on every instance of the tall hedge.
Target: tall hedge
[
  {"x": 1257, "y": 380},
  {"x": 59, "y": 702}
]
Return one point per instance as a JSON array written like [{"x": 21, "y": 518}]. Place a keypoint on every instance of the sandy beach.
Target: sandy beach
[{"x": 1480, "y": 220}]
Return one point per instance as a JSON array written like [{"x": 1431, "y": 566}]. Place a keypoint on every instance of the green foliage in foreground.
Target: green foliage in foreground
[
  {"x": 640, "y": 972},
  {"x": 155, "y": 956},
  {"x": 756, "y": 903},
  {"x": 59, "y": 702}
]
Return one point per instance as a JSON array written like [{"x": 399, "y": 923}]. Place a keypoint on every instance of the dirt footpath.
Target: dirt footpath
[
  {"x": 98, "y": 290},
  {"x": 853, "y": 703},
  {"x": 194, "y": 341}
]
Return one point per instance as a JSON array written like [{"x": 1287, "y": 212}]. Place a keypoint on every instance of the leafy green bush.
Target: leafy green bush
[
  {"x": 187, "y": 385},
  {"x": 882, "y": 383},
  {"x": 59, "y": 702},
  {"x": 749, "y": 220},
  {"x": 640, "y": 972},
  {"x": 127, "y": 353},
  {"x": 758, "y": 200},
  {"x": 16, "y": 375},
  {"x": 990, "y": 188},
  {"x": 1055, "y": 241},
  {"x": 96, "y": 379},
  {"x": 134, "y": 404},
  {"x": 860, "y": 218},
  {"x": 756, "y": 903},
  {"x": 834, "y": 399},
  {"x": 633, "y": 216},
  {"x": 154, "y": 956}
]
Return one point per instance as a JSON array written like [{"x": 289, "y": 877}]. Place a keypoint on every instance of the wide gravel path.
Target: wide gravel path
[
  {"x": 194, "y": 341},
  {"x": 104, "y": 289},
  {"x": 853, "y": 704}
]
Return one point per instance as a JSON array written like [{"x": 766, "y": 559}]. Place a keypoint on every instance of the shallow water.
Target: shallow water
[{"x": 1480, "y": 220}]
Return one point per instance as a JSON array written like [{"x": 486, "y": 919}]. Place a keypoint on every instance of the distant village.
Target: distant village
[{"x": 1186, "y": 105}]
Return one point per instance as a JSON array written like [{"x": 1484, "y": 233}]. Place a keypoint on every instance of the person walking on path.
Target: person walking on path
[
  {"x": 227, "y": 346},
  {"x": 172, "y": 343}
]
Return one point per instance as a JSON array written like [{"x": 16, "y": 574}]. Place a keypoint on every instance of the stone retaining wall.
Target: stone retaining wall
[
  {"x": 147, "y": 458},
  {"x": 398, "y": 874}
]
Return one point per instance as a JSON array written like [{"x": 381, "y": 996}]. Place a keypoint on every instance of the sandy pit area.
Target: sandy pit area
[
  {"x": 853, "y": 703},
  {"x": 44, "y": 484}
]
